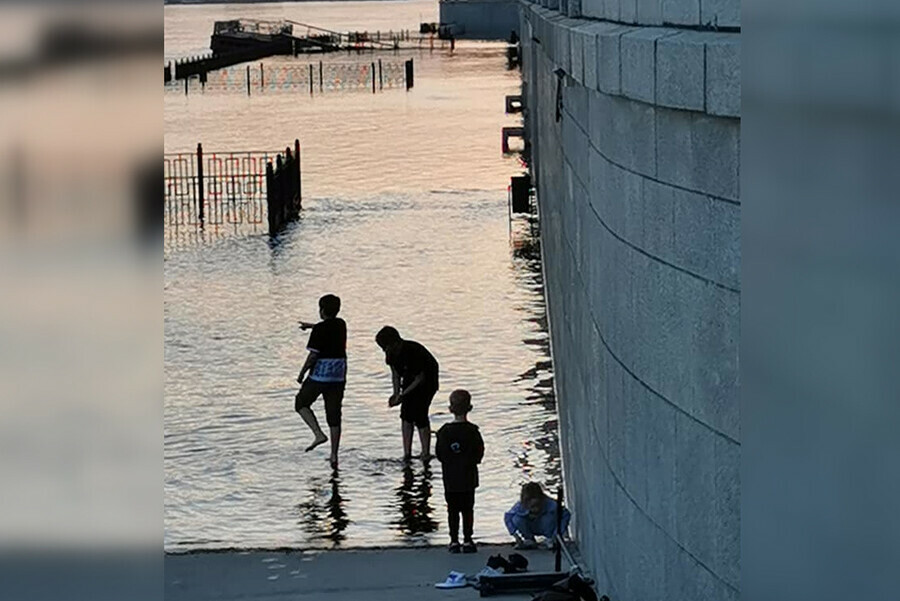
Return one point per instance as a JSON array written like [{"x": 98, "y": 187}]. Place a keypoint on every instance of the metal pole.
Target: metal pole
[
  {"x": 200, "y": 182},
  {"x": 559, "y": 514},
  {"x": 270, "y": 181}
]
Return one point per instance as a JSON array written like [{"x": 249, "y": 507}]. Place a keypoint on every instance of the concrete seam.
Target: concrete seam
[
  {"x": 644, "y": 384},
  {"x": 702, "y": 278},
  {"x": 677, "y": 30},
  {"x": 655, "y": 145},
  {"x": 638, "y": 249},
  {"x": 619, "y": 42},
  {"x": 705, "y": 83},
  {"x": 618, "y": 482},
  {"x": 654, "y": 178},
  {"x": 655, "y": 71},
  {"x": 684, "y": 270}
]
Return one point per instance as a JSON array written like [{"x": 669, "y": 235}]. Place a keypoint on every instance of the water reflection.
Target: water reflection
[
  {"x": 323, "y": 516},
  {"x": 539, "y": 456},
  {"x": 414, "y": 500}
]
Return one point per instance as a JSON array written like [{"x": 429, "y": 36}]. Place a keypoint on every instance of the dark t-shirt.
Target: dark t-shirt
[
  {"x": 410, "y": 360},
  {"x": 460, "y": 449},
  {"x": 329, "y": 340}
]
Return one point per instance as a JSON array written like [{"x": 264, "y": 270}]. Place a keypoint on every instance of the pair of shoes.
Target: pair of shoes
[
  {"x": 514, "y": 565},
  {"x": 454, "y": 547},
  {"x": 469, "y": 547}
]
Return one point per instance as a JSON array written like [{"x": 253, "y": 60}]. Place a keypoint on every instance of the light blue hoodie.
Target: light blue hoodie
[{"x": 518, "y": 519}]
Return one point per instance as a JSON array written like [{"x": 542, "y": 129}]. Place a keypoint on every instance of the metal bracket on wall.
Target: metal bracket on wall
[{"x": 560, "y": 74}]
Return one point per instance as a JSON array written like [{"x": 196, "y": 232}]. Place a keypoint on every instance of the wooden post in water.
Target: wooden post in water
[
  {"x": 373, "y": 77},
  {"x": 310, "y": 79},
  {"x": 186, "y": 86},
  {"x": 248, "y": 80},
  {"x": 262, "y": 77},
  {"x": 409, "y": 74},
  {"x": 299, "y": 175},
  {"x": 321, "y": 79},
  {"x": 200, "y": 182},
  {"x": 380, "y": 76}
]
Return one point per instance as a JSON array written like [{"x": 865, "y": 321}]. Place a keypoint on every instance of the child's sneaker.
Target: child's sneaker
[
  {"x": 469, "y": 547},
  {"x": 454, "y": 547}
]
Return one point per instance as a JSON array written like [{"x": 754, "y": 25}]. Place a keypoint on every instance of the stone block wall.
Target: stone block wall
[{"x": 634, "y": 127}]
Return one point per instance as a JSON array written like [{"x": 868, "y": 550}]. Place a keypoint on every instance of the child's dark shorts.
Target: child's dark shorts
[
  {"x": 332, "y": 393},
  {"x": 415, "y": 408},
  {"x": 460, "y": 501}
]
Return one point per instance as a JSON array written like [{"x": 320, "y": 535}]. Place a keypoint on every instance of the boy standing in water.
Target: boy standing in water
[
  {"x": 326, "y": 366},
  {"x": 460, "y": 449},
  {"x": 415, "y": 376}
]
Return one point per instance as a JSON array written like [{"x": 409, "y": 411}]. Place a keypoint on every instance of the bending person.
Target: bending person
[
  {"x": 414, "y": 371},
  {"x": 534, "y": 515}
]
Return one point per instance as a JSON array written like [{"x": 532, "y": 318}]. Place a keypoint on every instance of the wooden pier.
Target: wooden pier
[{"x": 245, "y": 40}]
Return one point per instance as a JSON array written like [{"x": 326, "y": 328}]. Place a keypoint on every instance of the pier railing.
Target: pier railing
[{"x": 231, "y": 188}]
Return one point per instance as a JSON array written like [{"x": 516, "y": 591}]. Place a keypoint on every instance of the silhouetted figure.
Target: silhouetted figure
[
  {"x": 414, "y": 371},
  {"x": 326, "y": 366},
  {"x": 513, "y": 37},
  {"x": 460, "y": 449}
]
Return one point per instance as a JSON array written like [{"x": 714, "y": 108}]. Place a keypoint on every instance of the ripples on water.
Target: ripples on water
[{"x": 406, "y": 220}]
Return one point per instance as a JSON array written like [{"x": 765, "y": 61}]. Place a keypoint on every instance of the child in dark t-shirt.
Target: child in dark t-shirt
[
  {"x": 326, "y": 366},
  {"x": 460, "y": 449}
]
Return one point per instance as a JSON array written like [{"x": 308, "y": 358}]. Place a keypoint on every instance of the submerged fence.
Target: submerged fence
[
  {"x": 232, "y": 188},
  {"x": 312, "y": 77}
]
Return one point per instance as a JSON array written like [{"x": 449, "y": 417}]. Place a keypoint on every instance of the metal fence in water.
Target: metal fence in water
[
  {"x": 312, "y": 77},
  {"x": 216, "y": 188}
]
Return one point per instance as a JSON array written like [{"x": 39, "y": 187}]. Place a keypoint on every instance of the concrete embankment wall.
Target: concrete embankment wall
[
  {"x": 634, "y": 128},
  {"x": 481, "y": 19}
]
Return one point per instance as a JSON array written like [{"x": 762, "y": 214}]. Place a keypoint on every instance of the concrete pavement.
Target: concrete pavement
[{"x": 374, "y": 575}]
